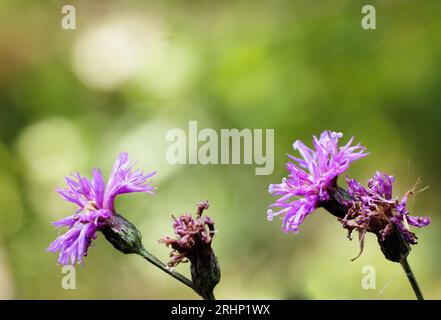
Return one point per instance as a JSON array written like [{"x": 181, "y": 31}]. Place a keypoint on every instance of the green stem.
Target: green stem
[
  {"x": 209, "y": 296},
  {"x": 152, "y": 259},
  {"x": 412, "y": 279}
]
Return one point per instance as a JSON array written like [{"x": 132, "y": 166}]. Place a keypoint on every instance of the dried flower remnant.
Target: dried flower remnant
[
  {"x": 193, "y": 243},
  {"x": 312, "y": 178},
  {"x": 96, "y": 210},
  {"x": 374, "y": 210}
]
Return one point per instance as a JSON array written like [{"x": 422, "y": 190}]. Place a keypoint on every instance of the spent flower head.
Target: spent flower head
[
  {"x": 310, "y": 177},
  {"x": 193, "y": 243},
  {"x": 373, "y": 209},
  {"x": 190, "y": 233},
  {"x": 95, "y": 201}
]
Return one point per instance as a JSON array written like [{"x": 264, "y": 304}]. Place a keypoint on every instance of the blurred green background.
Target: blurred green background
[{"x": 71, "y": 100}]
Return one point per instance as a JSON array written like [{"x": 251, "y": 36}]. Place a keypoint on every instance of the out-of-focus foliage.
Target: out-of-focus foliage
[{"x": 71, "y": 100}]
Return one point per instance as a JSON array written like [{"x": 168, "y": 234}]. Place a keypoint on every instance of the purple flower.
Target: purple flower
[
  {"x": 310, "y": 178},
  {"x": 374, "y": 210},
  {"x": 192, "y": 234},
  {"x": 95, "y": 202}
]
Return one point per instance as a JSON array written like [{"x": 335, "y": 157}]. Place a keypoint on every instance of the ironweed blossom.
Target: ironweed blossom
[
  {"x": 312, "y": 183},
  {"x": 96, "y": 210},
  {"x": 311, "y": 177},
  {"x": 373, "y": 209}
]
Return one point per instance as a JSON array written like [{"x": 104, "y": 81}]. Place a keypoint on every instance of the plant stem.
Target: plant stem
[
  {"x": 209, "y": 296},
  {"x": 412, "y": 279},
  {"x": 152, "y": 259}
]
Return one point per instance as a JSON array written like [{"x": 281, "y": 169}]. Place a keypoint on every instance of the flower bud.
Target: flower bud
[{"x": 122, "y": 234}]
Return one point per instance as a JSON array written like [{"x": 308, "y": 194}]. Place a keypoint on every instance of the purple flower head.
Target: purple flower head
[
  {"x": 311, "y": 176},
  {"x": 192, "y": 234},
  {"x": 375, "y": 210},
  {"x": 95, "y": 201}
]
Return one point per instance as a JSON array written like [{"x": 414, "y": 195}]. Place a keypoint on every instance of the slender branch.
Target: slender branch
[
  {"x": 152, "y": 259},
  {"x": 412, "y": 279}
]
